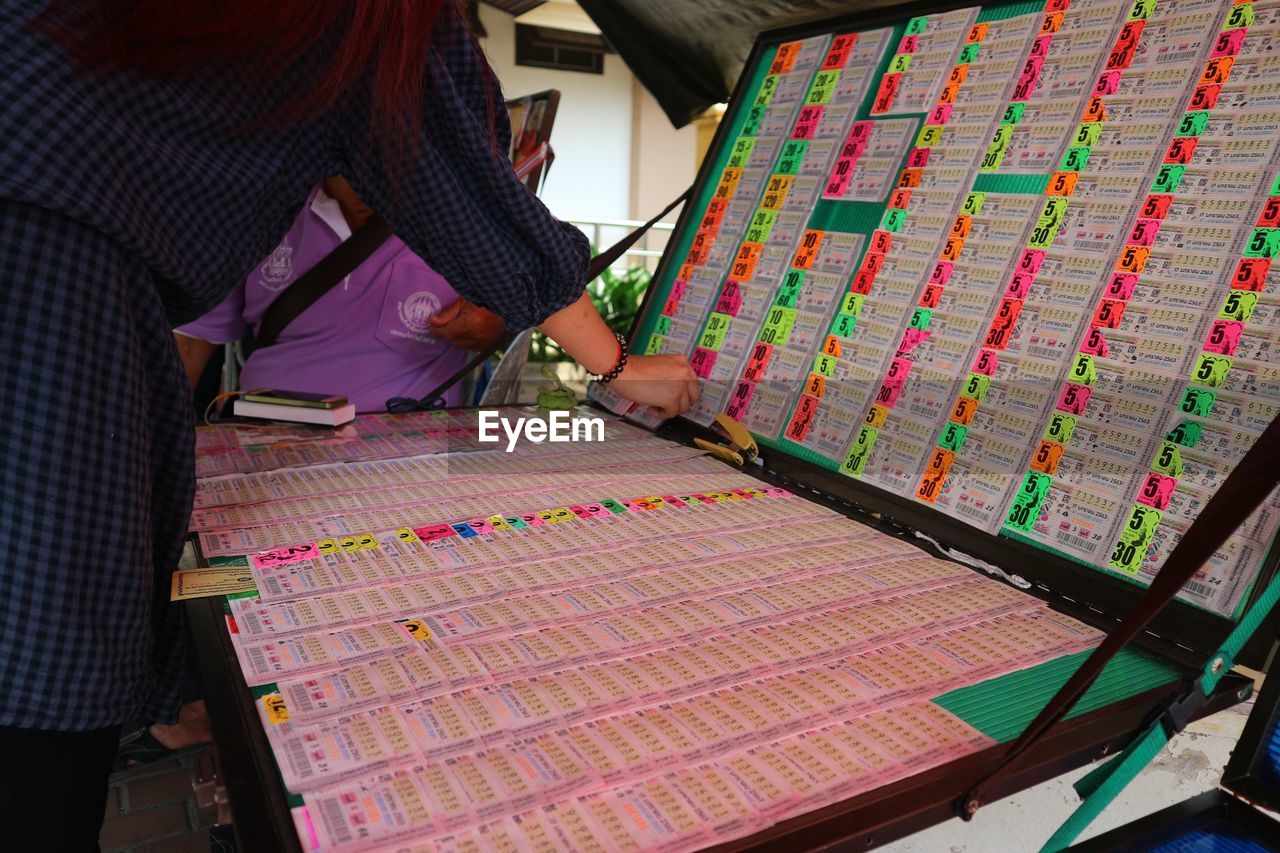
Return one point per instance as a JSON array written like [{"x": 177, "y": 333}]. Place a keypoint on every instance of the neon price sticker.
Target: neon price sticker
[
  {"x": 284, "y": 556},
  {"x": 1074, "y": 399},
  {"x": 1168, "y": 460},
  {"x": 1157, "y": 491}
]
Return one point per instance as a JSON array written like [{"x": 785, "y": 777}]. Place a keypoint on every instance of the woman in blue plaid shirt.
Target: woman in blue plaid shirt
[{"x": 150, "y": 152}]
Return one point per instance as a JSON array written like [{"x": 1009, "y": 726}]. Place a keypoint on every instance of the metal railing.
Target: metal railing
[{"x": 603, "y": 233}]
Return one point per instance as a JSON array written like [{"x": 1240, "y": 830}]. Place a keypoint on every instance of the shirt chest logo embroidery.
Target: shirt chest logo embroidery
[
  {"x": 277, "y": 272},
  {"x": 414, "y": 312}
]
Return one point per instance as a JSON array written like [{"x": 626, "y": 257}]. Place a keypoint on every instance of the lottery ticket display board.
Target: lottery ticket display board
[
  {"x": 1012, "y": 263},
  {"x": 623, "y": 645}
]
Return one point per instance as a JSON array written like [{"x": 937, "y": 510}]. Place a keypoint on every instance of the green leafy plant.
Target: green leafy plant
[{"x": 617, "y": 298}]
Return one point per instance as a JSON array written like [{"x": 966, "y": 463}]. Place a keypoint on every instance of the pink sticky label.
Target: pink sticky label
[
  {"x": 1074, "y": 399},
  {"x": 1228, "y": 43},
  {"x": 480, "y": 525},
  {"x": 777, "y": 492},
  {"x": 807, "y": 122},
  {"x": 941, "y": 272},
  {"x": 1031, "y": 260},
  {"x": 677, "y": 289},
  {"x": 1121, "y": 285},
  {"x": 674, "y": 501},
  {"x": 1019, "y": 285},
  {"x": 1144, "y": 232},
  {"x": 986, "y": 363},
  {"x": 918, "y": 158},
  {"x": 940, "y": 114},
  {"x": 1041, "y": 45},
  {"x": 1095, "y": 343},
  {"x": 889, "y": 395},
  {"x": 702, "y": 361},
  {"x": 284, "y": 556},
  {"x": 741, "y": 399},
  {"x": 433, "y": 532},
  {"x": 730, "y": 299},
  {"x": 860, "y": 133},
  {"x": 909, "y": 44},
  {"x": 1108, "y": 83},
  {"x": 1157, "y": 490},
  {"x": 532, "y": 519},
  {"x": 911, "y": 339},
  {"x": 1224, "y": 337}
]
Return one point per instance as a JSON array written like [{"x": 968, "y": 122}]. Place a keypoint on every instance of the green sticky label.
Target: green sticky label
[
  {"x": 1002, "y": 136},
  {"x": 777, "y": 325},
  {"x": 844, "y": 325},
  {"x": 1193, "y": 123},
  {"x": 792, "y": 156},
  {"x": 976, "y": 385},
  {"x": 916, "y": 26},
  {"x": 1013, "y": 113},
  {"x": 900, "y": 63},
  {"x": 613, "y": 506},
  {"x": 1075, "y": 159},
  {"x": 1142, "y": 523},
  {"x": 1043, "y": 234},
  {"x": 1127, "y": 556},
  {"x": 1168, "y": 460},
  {"x": 1024, "y": 513},
  {"x": 654, "y": 347},
  {"x": 968, "y": 53},
  {"x": 952, "y": 436},
  {"x": 663, "y": 325},
  {"x": 1168, "y": 177},
  {"x": 717, "y": 328},
  {"x": 993, "y": 158},
  {"x": 1211, "y": 369},
  {"x": 865, "y": 438},
  {"x": 893, "y": 220},
  {"x": 920, "y": 318},
  {"x": 1198, "y": 402},
  {"x": 1055, "y": 207},
  {"x": 1264, "y": 243},
  {"x": 854, "y": 463},
  {"x": 1141, "y": 10},
  {"x": 1083, "y": 370},
  {"x": 973, "y": 203},
  {"x": 852, "y": 303},
  {"x": 1275, "y": 186},
  {"x": 755, "y": 115},
  {"x": 1239, "y": 16},
  {"x": 768, "y": 86},
  {"x": 1187, "y": 434},
  {"x": 1060, "y": 428},
  {"x": 742, "y": 148},
  {"x": 1087, "y": 134},
  {"x": 761, "y": 226},
  {"x": 822, "y": 87},
  {"x": 1238, "y": 305},
  {"x": 824, "y": 365}
]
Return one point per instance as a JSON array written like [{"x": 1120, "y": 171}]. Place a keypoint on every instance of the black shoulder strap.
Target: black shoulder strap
[
  {"x": 598, "y": 264},
  {"x": 320, "y": 279},
  {"x": 1244, "y": 490}
]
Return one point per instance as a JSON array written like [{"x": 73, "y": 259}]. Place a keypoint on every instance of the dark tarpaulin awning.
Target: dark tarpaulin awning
[{"x": 689, "y": 53}]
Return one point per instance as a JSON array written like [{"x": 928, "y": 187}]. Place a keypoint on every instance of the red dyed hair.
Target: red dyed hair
[{"x": 384, "y": 44}]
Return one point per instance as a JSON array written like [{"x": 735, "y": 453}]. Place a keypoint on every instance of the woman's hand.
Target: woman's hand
[{"x": 663, "y": 382}]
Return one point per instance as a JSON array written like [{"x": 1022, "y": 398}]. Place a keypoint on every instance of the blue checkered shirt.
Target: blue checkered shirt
[{"x": 129, "y": 205}]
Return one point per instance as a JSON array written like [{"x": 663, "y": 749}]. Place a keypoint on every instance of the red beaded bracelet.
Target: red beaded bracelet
[{"x": 616, "y": 370}]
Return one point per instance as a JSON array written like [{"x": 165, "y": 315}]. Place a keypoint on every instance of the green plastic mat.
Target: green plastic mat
[{"x": 1003, "y": 706}]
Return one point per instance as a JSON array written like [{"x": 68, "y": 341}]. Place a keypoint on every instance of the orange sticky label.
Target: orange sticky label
[
  {"x": 809, "y": 245},
  {"x": 952, "y": 248},
  {"x": 964, "y": 410},
  {"x": 1052, "y": 22},
  {"x": 1047, "y": 456},
  {"x": 977, "y": 32},
  {"x": 962, "y": 226},
  {"x": 831, "y": 346},
  {"x": 1133, "y": 259},
  {"x": 876, "y": 416},
  {"x": 910, "y": 178},
  {"x": 1062, "y": 183},
  {"x": 816, "y": 386}
]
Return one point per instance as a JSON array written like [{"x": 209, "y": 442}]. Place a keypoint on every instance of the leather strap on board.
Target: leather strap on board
[
  {"x": 434, "y": 399},
  {"x": 320, "y": 279},
  {"x": 1240, "y": 494}
]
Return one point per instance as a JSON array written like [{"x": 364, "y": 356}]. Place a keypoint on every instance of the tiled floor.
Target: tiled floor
[{"x": 154, "y": 809}]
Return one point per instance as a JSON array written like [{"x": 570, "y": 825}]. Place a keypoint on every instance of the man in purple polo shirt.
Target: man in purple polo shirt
[{"x": 393, "y": 328}]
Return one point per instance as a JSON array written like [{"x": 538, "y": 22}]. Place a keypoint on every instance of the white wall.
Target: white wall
[
  {"x": 663, "y": 160},
  {"x": 592, "y": 133}
]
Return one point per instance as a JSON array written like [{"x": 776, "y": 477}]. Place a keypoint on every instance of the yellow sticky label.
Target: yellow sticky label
[
  {"x": 328, "y": 546},
  {"x": 417, "y": 630},
  {"x": 277, "y": 713},
  {"x": 406, "y": 534}
]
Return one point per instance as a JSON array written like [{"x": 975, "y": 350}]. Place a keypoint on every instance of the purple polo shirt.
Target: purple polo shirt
[{"x": 366, "y": 338}]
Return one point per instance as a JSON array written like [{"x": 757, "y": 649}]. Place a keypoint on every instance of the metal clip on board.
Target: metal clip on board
[{"x": 742, "y": 446}]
